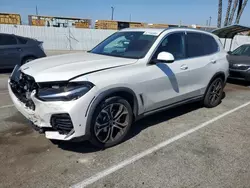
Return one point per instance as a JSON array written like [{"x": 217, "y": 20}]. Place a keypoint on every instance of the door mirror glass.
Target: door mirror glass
[{"x": 165, "y": 57}]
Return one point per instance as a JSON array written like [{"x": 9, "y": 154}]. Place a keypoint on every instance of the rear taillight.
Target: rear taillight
[{"x": 41, "y": 46}]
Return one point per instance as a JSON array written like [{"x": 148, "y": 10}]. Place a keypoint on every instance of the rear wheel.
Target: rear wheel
[
  {"x": 214, "y": 93},
  {"x": 111, "y": 122}
]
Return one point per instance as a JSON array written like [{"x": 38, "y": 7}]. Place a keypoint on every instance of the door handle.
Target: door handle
[
  {"x": 19, "y": 49},
  {"x": 184, "y": 67},
  {"x": 213, "y": 61}
]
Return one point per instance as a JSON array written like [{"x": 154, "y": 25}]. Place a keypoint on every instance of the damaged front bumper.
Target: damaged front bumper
[{"x": 58, "y": 120}]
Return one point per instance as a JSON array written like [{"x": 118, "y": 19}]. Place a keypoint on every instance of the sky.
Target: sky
[{"x": 149, "y": 11}]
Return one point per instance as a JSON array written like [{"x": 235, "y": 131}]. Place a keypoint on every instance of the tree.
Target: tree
[
  {"x": 237, "y": 21},
  {"x": 233, "y": 12},
  {"x": 228, "y": 12},
  {"x": 219, "y": 14},
  {"x": 239, "y": 7}
]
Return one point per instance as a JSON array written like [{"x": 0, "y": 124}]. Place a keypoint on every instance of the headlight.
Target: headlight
[
  {"x": 63, "y": 91},
  {"x": 241, "y": 66}
]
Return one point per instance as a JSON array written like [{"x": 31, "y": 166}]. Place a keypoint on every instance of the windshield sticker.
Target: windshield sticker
[{"x": 151, "y": 33}]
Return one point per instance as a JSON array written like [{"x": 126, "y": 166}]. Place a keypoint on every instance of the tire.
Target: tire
[
  {"x": 214, "y": 93},
  {"x": 111, "y": 122},
  {"x": 27, "y": 59}
]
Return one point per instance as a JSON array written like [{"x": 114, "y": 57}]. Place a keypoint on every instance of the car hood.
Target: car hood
[
  {"x": 66, "y": 67},
  {"x": 235, "y": 59}
]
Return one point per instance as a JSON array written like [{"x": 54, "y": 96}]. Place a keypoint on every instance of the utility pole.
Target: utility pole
[
  {"x": 180, "y": 23},
  {"x": 112, "y": 15},
  {"x": 36, "y": 10},
  {"x": 210, "y": 18}
]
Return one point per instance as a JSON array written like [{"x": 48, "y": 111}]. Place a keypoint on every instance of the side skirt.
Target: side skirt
[{"x": 173, "y": 105}]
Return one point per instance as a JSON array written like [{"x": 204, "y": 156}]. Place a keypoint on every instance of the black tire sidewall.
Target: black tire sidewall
[
  {"x": 206, "y": 98},
  {"x": 99, "y": 107}
]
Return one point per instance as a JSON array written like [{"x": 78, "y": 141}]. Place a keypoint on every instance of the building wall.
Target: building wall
[
  {"x": 77, "y": 39},
  {"x": 6, "y": 18},
  {"x": 49, "y": 21}
]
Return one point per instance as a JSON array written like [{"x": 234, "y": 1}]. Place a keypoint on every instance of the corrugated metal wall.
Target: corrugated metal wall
[
  {"x": 60, "y": 38},
  {"x": 78, "y": 39},
  {"x": 238, "y": 41}
]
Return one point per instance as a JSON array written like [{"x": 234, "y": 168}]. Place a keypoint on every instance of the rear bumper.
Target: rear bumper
[{"x": 239, "y": 74}]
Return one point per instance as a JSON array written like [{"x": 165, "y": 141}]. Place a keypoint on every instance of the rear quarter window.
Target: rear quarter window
[{"x": 22, "y": 40}]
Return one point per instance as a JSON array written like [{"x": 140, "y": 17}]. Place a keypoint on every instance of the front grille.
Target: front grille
[
  {"x": 22, "y": 88},
  {"x": 236, "y": 74},
  {"x": 62, "y": 123}
]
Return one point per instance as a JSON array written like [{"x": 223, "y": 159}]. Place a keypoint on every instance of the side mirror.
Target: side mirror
[
  {"x": 165, "y": 57},
  {"x": 229, "y": 52}
]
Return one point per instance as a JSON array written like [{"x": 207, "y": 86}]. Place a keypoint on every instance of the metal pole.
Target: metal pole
[
  {"x": 210, "y": 18},
  {"x": 231, "y": 43},
  {"x": 112, "y": 16},
  {"x": 225, "y": 43},
  {"x": 36, "y": 10}
]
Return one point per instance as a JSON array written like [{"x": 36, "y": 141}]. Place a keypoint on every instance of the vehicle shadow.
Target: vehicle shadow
[
  {"x": 141, "y": 125},
  {"x": 238, "y": 82},
  {"x": 162, "y": 117},
  {"x": 5, "y": 71}
]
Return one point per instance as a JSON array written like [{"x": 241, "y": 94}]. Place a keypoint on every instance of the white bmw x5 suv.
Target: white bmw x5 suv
[{"x": 97, "y": 95}]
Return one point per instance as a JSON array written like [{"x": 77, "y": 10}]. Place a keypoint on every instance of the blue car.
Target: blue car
[{"x": 18, "y": 50}]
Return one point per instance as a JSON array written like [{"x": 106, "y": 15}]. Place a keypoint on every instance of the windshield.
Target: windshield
[
  {"x": 242, "y": 50},
  {"x": 126, "y": 44}
]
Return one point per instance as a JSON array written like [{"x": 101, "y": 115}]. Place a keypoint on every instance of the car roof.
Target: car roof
[
  {"x": 18, "y": 36},
  {"x": 158, "y": 31},
  {"x": 245, "y": 45},
  {"x": 144, "y": 29}
]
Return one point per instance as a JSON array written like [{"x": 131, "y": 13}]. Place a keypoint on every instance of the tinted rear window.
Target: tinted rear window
[
  {"x": 7, "y": 40},
  {"x": 210, "y": 45},
  {"x": 194, "y": 45}
]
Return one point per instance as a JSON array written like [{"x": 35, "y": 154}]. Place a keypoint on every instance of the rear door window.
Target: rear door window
[
  {"x": 195, "y": 46},
  {"x": 210, "y": 45},
  {"x": 7, "y": 40}
]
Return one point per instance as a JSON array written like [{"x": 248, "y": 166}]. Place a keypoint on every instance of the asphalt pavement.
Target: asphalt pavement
[{"x": 189, "y": 146}]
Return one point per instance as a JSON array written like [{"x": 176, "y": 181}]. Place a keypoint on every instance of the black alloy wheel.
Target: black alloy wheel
[
  {"x": 214, "y": 93},
  {"x": 111, "y": 122}
]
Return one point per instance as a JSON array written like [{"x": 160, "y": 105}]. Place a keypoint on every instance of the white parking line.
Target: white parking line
[
  {"x": 134, "y": 158},
  {"x": 7, "y": 106},
  {"x": 3, "y": 93}
]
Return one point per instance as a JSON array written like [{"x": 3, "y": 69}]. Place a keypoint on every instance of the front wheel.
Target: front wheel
[
  {"x": 111, "y": 122},
  {"x": 214, "y": 93}
]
